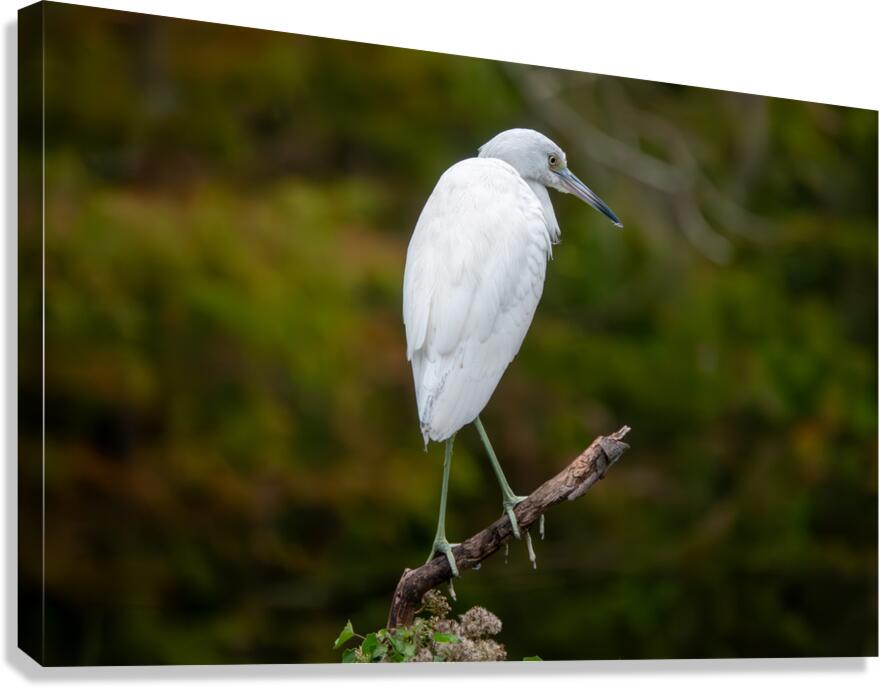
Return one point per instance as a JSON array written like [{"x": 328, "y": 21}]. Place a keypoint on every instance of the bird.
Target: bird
[{"x": 473, "y": 277}]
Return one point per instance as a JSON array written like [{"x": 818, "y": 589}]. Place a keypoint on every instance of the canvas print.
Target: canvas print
[{"x": 335, "y": 352}]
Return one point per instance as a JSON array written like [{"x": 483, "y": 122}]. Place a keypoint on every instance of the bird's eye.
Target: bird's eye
[{"x": 553, "y": 160}]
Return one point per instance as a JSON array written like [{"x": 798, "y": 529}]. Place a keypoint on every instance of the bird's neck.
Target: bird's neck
[{"x": 549, "y": 216}]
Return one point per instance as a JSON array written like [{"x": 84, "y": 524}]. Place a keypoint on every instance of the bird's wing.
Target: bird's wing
[{"x": 474, "y": 274}]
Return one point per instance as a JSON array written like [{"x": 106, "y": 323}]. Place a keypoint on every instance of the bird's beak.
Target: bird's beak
[{"x": 575, "y": 186}]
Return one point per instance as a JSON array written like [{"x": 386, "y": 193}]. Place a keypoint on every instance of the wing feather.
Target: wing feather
[{"x": 474, "y": 274}]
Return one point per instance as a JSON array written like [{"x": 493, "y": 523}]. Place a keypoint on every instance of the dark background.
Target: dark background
[{"x": 234, "y": 464}]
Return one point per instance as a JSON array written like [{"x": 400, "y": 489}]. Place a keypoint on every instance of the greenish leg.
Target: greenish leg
[
  {"x": 510, "y": 500},
  {"x": 441, "y": 544}
]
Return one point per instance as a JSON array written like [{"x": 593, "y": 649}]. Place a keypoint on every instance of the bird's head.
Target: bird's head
[{"x": 538, "y": 159}]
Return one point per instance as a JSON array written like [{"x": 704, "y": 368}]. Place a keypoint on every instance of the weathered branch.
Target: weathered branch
[{"x": 573, "y": 481}]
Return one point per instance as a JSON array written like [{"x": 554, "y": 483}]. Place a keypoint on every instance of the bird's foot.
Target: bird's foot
[
  {"x": 443, "y": 546},
  {"x": 508, "y": 504}
]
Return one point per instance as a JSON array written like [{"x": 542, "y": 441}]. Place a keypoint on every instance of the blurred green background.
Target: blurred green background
[{"x": 234, "y": 464}]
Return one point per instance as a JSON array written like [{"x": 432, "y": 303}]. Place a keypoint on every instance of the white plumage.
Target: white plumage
[{"x": 474, "y": 275}]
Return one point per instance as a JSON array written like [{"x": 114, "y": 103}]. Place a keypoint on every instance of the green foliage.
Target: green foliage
[
  {"x": 400, "y": 645},
  {"x": 232, "y": 449},
  {"x": 431, "y": 638},
  {"x": 345, "y": 635}
]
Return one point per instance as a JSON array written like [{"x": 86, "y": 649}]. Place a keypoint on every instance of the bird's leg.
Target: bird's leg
[
  {"x": 441, "y": 544},
  {"x": 510, "y": 500}
]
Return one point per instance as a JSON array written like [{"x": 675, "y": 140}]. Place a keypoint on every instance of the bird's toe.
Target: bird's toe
[
  {"x": 444, "y": 547},
  {"x": 509, "y": 505}
]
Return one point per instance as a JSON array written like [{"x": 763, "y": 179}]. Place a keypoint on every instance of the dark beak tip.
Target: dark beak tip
[{"x": 578, "y": 188}]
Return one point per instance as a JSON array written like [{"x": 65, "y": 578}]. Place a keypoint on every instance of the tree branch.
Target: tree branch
[{"x": 570, "y": 483}]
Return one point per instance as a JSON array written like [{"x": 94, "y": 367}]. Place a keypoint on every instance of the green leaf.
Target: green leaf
[
  {"x": 446, "y": 638},
  {"x": 370, "y": 643},
  {"x": 533, "y": 658},
  {"x": 398, "y": 643},
  {"x": 402, "y": 644},
  {"x": 349, "y": 656},
  {"x": 344, "y": 636},
  {"x": 372, "y": 648}
]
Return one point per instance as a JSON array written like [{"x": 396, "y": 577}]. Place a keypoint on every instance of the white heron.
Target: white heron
[{"x": 474, "y": 275}]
